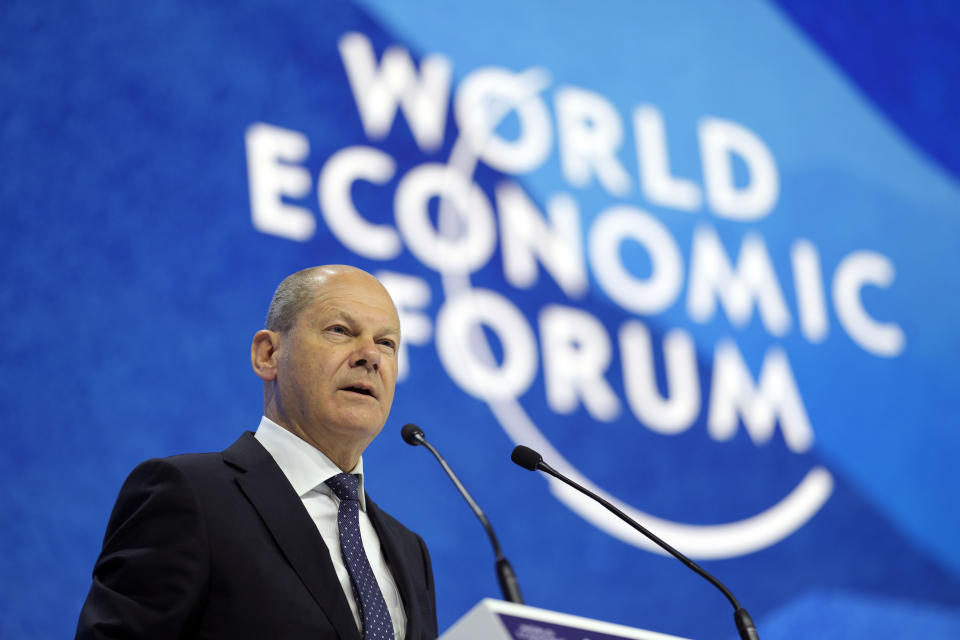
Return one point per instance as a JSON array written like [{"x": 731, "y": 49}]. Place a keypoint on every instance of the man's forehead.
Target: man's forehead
[
  {"x": 354, "y": 307},
  {"x": 356, "y": 301}
]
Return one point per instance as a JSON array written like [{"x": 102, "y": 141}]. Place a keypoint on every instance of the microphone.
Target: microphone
[
  {"x": 413, "y": 435},
  {"x": 533, "y": 461}
]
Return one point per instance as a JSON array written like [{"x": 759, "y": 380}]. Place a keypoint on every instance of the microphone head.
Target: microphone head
[
  {"x": 526, "y": 457},
  {"x": 412, "y": 434}
]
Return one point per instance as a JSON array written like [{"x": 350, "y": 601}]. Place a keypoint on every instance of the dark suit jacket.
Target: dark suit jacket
[{"x": 218, "y": 545}]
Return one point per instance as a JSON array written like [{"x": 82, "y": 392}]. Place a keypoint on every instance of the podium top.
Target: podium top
[{"x": 497, "y": 620}]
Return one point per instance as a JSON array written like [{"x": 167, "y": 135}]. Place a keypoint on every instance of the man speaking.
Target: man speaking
[{"x": 275, "y": 537}]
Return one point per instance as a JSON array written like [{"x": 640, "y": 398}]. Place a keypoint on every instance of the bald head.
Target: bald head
[{"x": 298, "y": 289}]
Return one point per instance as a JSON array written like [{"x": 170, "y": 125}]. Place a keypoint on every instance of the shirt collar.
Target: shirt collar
[{"x": 305, "y": 466}]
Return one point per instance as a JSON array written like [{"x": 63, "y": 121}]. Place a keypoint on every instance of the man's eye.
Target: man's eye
[
  {"x": 338, "y": 329},
  {"x": 390, "y": 344}
]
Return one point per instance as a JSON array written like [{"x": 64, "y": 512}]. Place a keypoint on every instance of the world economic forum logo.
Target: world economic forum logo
[{"x": 583, "y": 254}]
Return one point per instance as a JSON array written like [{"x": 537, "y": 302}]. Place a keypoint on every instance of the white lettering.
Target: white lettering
[
  {"x": 677, "y": 411},
  {"x": 377, "y": 91},
  {"x": 339, "y": 173},
  {"x": 734, "y": 395},
  {"x": 649, "y": 295},
  {"x": 484, "y": 98},
  {"x": 270, "y": 180},
  {"x": 526, "y": 236},
  {"x": 856, "y": 271},
  {"x": 590, "y": 135},
  {"x": 467, "y": 235},
  {"x": 464, "y": 351},
  {"x": 719, "y": 141},
  {"x": 576, "y": 353},
  {"x": 712, "y": 277},
  {"x": 653, "y": 157},
  {"x": 811, "y": 301}
]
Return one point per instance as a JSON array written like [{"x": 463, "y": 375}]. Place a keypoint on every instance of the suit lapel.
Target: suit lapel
[
  {"x": 396, "y": 559},
  {"x": 282, "y": 511}
]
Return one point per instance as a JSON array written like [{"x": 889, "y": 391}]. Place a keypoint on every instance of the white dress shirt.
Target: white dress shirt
[{"x": 307, "y": 469}]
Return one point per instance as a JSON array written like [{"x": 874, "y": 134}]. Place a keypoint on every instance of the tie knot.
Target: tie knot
[{"x": 345, "y": 485}]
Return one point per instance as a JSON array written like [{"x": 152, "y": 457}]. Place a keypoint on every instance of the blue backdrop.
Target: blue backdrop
[{"x": 704, "y": 257}]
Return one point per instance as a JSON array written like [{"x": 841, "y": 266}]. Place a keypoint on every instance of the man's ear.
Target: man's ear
[{"x": 263, "y": 354}]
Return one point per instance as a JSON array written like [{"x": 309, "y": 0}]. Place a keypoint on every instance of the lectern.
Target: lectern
[{"x": 498, "y": 620}]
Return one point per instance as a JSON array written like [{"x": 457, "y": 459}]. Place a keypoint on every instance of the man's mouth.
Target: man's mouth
[{"x": 361, "y": 389}]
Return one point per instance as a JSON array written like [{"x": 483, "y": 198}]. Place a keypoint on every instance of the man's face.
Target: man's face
[{"x": 337, "y": 366}]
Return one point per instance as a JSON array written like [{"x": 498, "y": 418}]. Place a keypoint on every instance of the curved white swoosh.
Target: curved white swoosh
[{"x": 704, "y": 542}]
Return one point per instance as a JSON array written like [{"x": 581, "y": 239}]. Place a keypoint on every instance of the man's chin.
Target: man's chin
[{"x": 361, "y": 425}]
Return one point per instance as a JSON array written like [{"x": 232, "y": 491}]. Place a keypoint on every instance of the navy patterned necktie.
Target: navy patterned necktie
[{"x": 373, "y": 608}]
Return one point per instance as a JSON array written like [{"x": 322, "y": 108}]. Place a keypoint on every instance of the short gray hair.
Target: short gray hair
[{"x": 291, "y": 297}]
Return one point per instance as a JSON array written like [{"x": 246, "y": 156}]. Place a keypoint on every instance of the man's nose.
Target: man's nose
[{"x": 366, "y": 355}]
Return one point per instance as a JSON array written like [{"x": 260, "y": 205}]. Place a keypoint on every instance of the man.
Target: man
[{"x": 274, "y": 537}]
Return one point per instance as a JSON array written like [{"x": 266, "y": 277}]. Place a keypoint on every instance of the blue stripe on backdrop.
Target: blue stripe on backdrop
[
  {"x": 902, "y": 54},
  {"x": 133, "y": 278}
]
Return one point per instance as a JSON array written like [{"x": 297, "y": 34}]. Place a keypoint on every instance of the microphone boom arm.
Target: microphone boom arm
[
  {"x": 505, "y": 574},
  {"x": 529, "y": 459}
]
